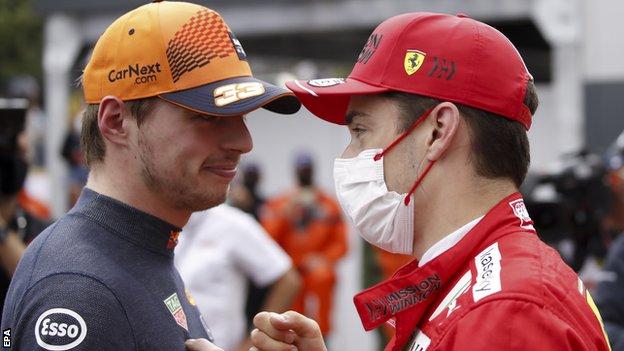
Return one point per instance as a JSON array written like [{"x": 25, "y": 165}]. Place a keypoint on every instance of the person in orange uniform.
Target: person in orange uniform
[{"x": 308, "y": 224}]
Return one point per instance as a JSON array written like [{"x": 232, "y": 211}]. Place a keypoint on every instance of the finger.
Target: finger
[
  {"x": 303, "y": 326},
  {"x": 264, "y": 342},
  {"x": 262, "y": 321},
  {"x": 200, "y": 345}
]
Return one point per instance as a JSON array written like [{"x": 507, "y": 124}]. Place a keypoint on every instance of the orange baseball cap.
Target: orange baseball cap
[{"x": 183, "y": 53}]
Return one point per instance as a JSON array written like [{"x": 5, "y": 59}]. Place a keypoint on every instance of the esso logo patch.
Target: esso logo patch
[{"x": 60, "y": 329}]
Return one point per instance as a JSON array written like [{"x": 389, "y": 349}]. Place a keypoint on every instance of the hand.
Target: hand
[
  {"x": 289, "y": 331},
  {"x": 200, "y": 345}
]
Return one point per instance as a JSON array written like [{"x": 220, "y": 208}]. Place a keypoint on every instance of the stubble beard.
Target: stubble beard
[{"x": 175, "y": 185}]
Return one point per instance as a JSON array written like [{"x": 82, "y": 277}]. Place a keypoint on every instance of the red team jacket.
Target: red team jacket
[{"x": 499, "y": 288}]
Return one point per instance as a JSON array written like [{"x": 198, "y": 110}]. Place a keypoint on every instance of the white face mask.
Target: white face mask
[
  {"x": 379, "y": 215},
  {"x": 383, "y": 218}
]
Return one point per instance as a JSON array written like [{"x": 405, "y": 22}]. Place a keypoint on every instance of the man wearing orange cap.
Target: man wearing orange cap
[
  {"x": 438, "y": 107},
  {"x": 168, "y": 86}
]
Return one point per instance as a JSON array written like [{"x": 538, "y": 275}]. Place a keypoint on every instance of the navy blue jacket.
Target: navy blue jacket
[{"x": 100, "y": 278}]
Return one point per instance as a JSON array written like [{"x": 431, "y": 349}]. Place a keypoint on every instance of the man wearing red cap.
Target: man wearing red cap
[{"x": 438, "y": 107}]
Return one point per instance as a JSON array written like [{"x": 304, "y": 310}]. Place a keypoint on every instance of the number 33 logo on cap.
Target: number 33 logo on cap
[{"x": 227, "y": 94}]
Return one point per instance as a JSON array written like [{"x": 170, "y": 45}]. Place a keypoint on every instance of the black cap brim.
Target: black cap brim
[{"x": 202, "y": 99}]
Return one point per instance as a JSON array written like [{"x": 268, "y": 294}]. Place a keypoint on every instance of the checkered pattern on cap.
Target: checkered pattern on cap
[{"x": 202, "y": 38}]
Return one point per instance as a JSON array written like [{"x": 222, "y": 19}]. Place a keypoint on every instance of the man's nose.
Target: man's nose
[
  {"x": 350, "y": 151},
  {"x": 237, "y": 137}
]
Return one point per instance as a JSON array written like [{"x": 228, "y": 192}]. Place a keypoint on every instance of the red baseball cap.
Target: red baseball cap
[{"x": 451, "y": 58}]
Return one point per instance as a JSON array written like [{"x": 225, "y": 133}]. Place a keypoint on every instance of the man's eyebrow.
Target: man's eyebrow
[{"x": 352, "y": 114}]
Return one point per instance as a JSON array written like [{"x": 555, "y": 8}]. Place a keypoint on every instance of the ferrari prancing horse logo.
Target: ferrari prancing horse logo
[{"x": 413, "y": 60}]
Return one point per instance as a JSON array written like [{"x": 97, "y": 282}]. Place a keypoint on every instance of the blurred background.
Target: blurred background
[{"x": 574, "y": 189}]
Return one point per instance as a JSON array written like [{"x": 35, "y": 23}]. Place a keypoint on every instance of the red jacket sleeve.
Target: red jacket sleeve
[{"x": 512, "y": 325}]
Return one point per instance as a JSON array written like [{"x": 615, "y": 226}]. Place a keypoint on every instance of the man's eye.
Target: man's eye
[
  {"x": 207, "y": 118},
  {"x": 357, "y": 130}
]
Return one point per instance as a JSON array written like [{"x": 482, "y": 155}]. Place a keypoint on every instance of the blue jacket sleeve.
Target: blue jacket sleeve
[{"x": 69, "y": 312}]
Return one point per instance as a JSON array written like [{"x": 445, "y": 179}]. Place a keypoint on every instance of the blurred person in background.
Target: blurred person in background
[
  {"x": 22, "y": 217},
  {"x": 308, "y": 225},
  {"x": 613, "y": 220},
  {"x": 163, "y": 139},
  {"x": 218, "y": 251},
  {"x": 246, "y": 195},
  {"x": 27, "y": 86},
  {"x": 74, "y": 157},
  {"x": 438, "y": 108},
  {"x": 610, "y": 290}
]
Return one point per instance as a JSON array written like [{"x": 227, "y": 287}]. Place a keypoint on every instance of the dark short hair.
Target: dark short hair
[
  {"x": 500, "y": 146},
  {"x": 91, "y": 140}
]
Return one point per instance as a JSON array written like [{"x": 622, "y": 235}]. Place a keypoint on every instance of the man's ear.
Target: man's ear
[
  {"x": 111, "y": 114},
  {"x": 444, "y": 120}
]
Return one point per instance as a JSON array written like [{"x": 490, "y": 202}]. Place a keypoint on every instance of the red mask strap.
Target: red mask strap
[
  {"x": 406, "y": 201},
  {"x": 416, "y": 123}
]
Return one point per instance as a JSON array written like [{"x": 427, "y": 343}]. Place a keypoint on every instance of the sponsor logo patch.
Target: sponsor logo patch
[
  {"x": 238, "y": 47},
  {"x": 140, "y": 74},
  {"x": 413, "y": 60},
  {"x": 173, "y": 240},
  {"x": 488, "y": 273},
  {"x": 519, "y": 209},
  {"x": 326, "y": 82},
  {"x": 175, "y": 308},
  {"x": 442, "y": 68},
  {"x": 421, "y": 341},
  {"x": 371, "y": 46},
  {"x": 403, "y": 298},
  {"x": 227, "y": 94},
  {"x": 60, "y": 329}
]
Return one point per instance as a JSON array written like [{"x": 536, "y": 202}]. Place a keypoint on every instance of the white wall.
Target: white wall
[
  {"x": 545, "y": 131},
  {"x": 277, "y": 139},
  {"x": 603, "y": 29}
]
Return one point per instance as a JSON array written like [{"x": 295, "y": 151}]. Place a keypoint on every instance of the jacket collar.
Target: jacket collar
[
  {"x": 140, "y": 228},
  {"x": 408, "y": 294}
]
